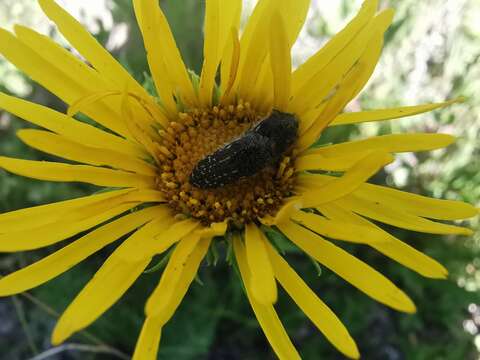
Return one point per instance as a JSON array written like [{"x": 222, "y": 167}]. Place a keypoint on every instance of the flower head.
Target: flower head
[{"x": 203, "y": 160}]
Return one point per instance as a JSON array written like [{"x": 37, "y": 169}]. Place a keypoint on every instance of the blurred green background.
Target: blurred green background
[{"x": 431, "y": 53}]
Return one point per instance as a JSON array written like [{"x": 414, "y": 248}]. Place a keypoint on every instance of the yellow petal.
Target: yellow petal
[
  {"x": 220, "y": 18},
  {"x": 331, "y": 163},
  {"x": 52, "y": 171},
  {"x": 136, "y": 195},
  {"x": 282, "y": 64},
  {"x": 174, "y": 233},
  {"x": 147, "y": 114},
  {"x": 392, "y": 247},
  {"x": 89, "y": 47},
  {"x": 321, "y": 84},
  {"x": 307, "y": 119},
  {"x": 338, "y": 230},
  {"x": 262, "y": 280},
  {"x": 255, "y": 38},
  {"x": 326, "y": 54},
  {"x": 28, "y": 218},
  {"x": 138, "y": 130},
  {"x": 389, "y": 143},
  {"x": 283, "y": 214},
  {"x": 397, "y": 217},
  {"x": 215, "y": 229},
  {"x": 262, "y": 95},
  {"x": 135, "y": 250},
  {"x": 110, "y": 282},
  {"x": 349, "y": 87},
  {"x": 62, "y": 73},
  {"x": 417, "y": 204},
  {"x": 54, "y": 232},
  {"x": 62, "y": 260},
  {"x": 253, "y": 53},
  {"x": 351, "y": 180},
  {"x": 150, "y": 24},
  {"x": 356, "y": 272},
  {"x": 168, "y": 283},
  {"x": 389, "y": 114},
  {"x": 68, "y": 127},
  {"x": 159, "y": 237},
  {"x": 184, "y": 268},
  {"x": 62, "y": 147},
  {"x": 229, "y": 66},
  {"x": 266, "y": 315},
  {"x": 161, "y": 46},
  {"x": 52, "y": 79},
  {"x": 73, "y": 210},
  {"x": 148, "y": 341},
  {"x": 316, "y": 310}
]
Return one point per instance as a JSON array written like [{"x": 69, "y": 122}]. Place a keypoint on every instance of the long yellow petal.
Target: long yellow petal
[
  {"x": 89, "y": 47},
  {"x": 158, "y": 238},
  {"x": 72, "y": 254},
  {"x": 338, "y": 230},
  {"x": 397, "y": 217},
  {"x": 174, "y": 233},
  {"x": 220, "y": 18},
  {"x": 148, "y": 341},
  {"x": 164, "y": 310},
  {"x": 168, "y": 282},
  {"x": 351, "y": 180},
  {"x": 164, "y": 233},
  {"x": 28, "y": 218},
  {"x": 389, "y": 143},
  {"x": 52, "y": 171},
  {"x": 62, "y": 147},
  {"x": 391, "y": 247},
  {"x": 353, "y": 270},
  {"x": 253, "y": 52},
  {"x": 134, "y": 250},
  {"x": 110, "y": 70},
  {"x": 333, "y": 163},
  {"x": 282, "y": 63},
  {"x": 110, "y": 282},
  {"x": 315, "y": 90},
  {"x": 350, "y": 85},
  {"x": 68, "y": 127},
  {"x": 327, "y": 53},
  {"x": 65, "y": 75},
  {"x": 266, "y": 315},
  {"x": 309, "y": 118},
  {"x": 316, "y": 310},
  {"x": 263, "y": 94},
  {"x": 255, "y": 39},
  {"x": 54, "y": 232},
  {"x": 262, "y": 279},
  {"x": 142, "y": 195},
  {"x": 53, "y": 79},
  {"x": 158, "y": 38},
  {"x": 155, "y": 54},
  {"x": 283, "y": 214},
  {"x": 417, "y": 204},
  {"x": 389, "y": 114},
  {"x": 229, "y": 66}
]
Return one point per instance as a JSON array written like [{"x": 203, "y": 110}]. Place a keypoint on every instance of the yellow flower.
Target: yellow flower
[{"x": 154, "y": 145}]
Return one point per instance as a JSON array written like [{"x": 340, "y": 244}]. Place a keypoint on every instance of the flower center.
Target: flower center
[{"x": 200, "y": 132}]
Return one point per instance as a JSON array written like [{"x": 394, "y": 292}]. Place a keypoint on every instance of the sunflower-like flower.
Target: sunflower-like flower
[{"x": 250, "y": 177}]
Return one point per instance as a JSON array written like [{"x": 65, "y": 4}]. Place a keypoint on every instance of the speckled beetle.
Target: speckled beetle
[{"x": 257, "y": 148}]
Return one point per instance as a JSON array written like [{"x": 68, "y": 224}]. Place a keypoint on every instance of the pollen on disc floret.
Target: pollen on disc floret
[{"x": 200, "y": 132}]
